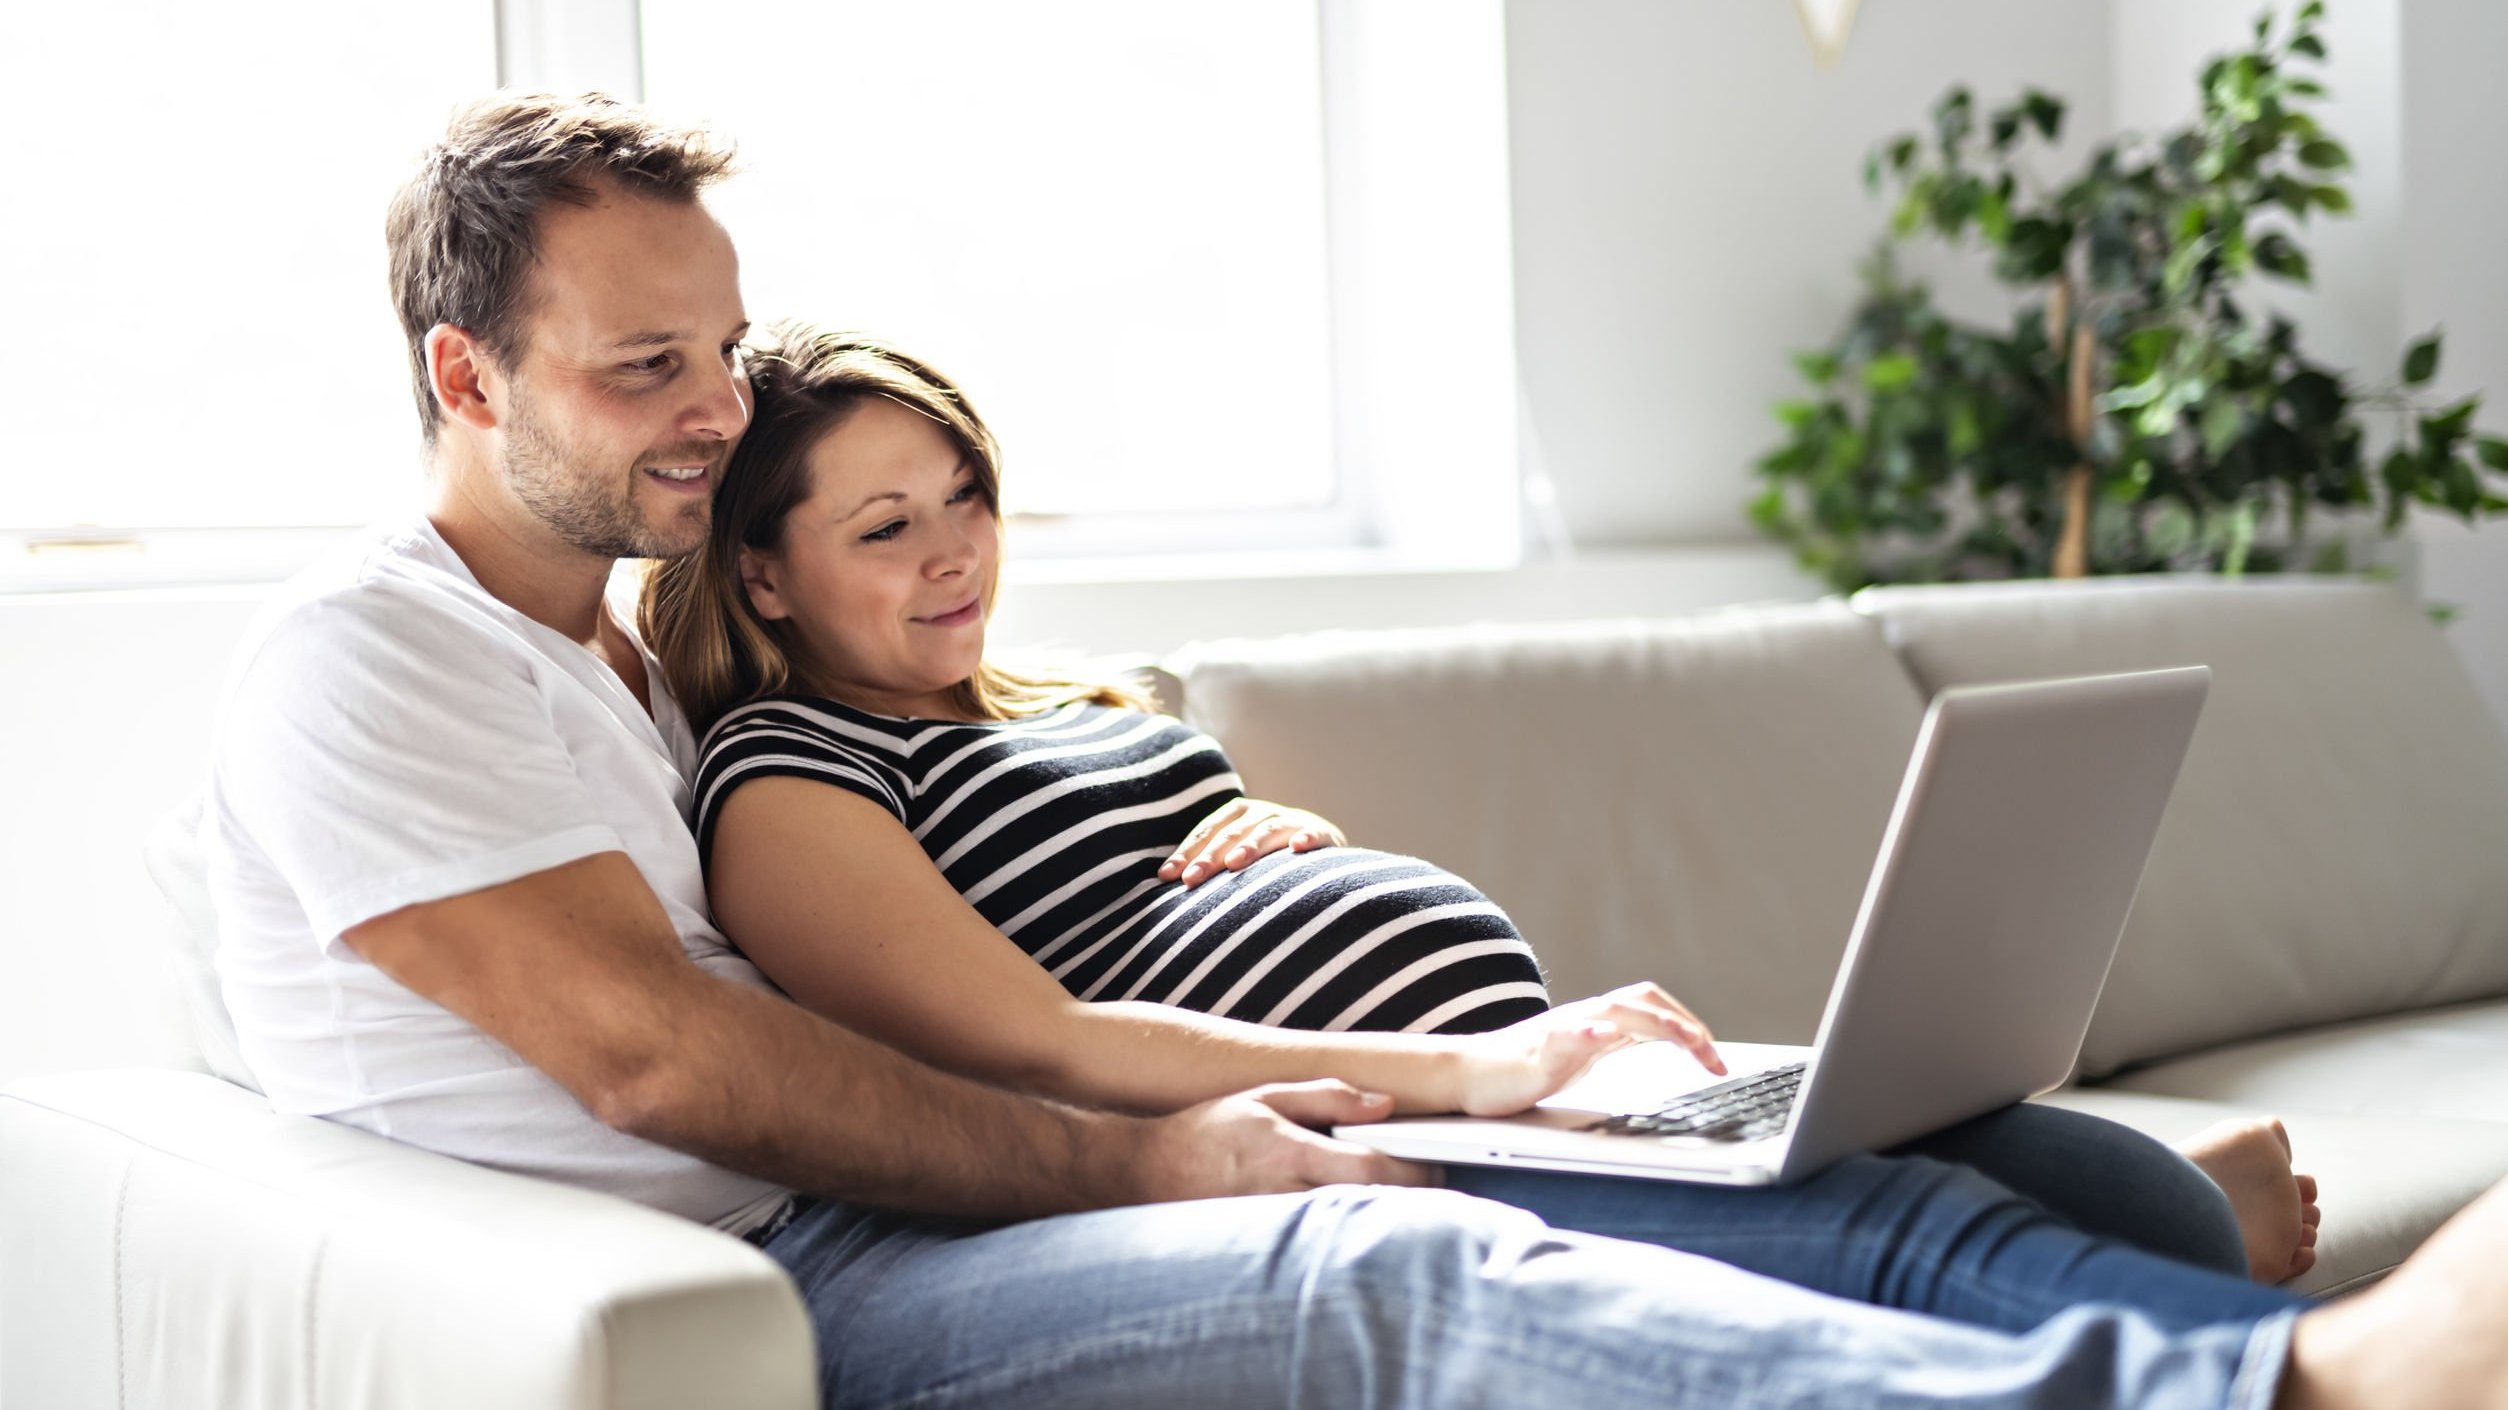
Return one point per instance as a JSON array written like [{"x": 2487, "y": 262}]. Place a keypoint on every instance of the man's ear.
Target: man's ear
[
  {"x": 460, "y": 371},
  {"x": 759, "y": 576}
]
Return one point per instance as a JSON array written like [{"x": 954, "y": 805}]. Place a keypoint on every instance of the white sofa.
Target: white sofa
[{"x": 2323, "y": 933}]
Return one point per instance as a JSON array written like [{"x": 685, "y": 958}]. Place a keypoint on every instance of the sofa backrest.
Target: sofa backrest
[
  {"x": 175, "y": 864},
  {"x": 1695, "y": 801},
  {"x": 2338, "y": 842}
]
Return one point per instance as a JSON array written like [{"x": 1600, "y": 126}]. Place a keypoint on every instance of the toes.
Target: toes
[
  {"x": 2300, "y": 1263},
  {"x": 2307, "y": 1189},
  {"x": 2280, "y": 1133}
]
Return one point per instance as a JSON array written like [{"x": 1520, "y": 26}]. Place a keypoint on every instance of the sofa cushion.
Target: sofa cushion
[
  {"x": 1694, "y": 801},
  {"x": 2333, "y": 847},
  {"x": 2449, "y": 1062},
  {"x": 2385, "y": 1182}
]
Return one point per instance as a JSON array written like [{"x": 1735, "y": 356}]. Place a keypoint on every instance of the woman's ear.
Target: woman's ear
[{"x": 759, "y": 575}]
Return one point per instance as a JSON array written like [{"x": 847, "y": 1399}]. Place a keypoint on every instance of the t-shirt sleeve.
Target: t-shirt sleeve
[
  {"x": 380, "y": 751},
  {"x": 766, "y": 741}
]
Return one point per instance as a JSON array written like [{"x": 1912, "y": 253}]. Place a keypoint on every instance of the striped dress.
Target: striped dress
[{"x": 1053, "y": 827}]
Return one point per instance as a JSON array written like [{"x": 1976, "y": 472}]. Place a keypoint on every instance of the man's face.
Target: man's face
[{"x": 626, "y": 396}]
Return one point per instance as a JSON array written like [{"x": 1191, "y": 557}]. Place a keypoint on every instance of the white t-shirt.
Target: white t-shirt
[{"x": 391, "y": 734}]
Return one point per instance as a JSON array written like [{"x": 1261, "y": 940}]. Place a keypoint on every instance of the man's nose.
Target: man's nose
[{"x": 722, "y": 406}]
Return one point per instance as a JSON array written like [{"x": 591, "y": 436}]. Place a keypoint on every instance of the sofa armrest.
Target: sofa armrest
[{"x": 167, "y": 1239}]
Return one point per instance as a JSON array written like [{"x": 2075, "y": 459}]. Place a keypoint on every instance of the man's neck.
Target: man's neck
[{"x": 520, "y": 561}]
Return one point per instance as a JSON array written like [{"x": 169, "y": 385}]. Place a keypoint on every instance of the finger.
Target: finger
[
  {"x": 1649, "y": 992},
  {"x": 1332, "y": 1162},
  {"x": 1672, "y": 1024},
  {"x": 1219, "y": 817},
  {"x": 1206, "y": 860},
  {"x": 1260, "y": 841},
  {"x": 1324, "y": 1102},
  {"x": 1317, "y": 831}
]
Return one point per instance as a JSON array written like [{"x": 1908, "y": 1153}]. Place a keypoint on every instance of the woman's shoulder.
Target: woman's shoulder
[{"x": 803, "y": 722}]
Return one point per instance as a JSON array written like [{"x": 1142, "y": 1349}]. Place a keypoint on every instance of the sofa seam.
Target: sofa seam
[
  {"x": 313, "y": 1323},
  {"x": 121, "y": 1311}
]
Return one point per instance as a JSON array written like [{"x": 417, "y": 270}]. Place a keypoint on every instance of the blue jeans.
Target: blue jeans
[
  {"x": 1936, "y": 1226},
  {"x": 1368, "y": 1296}
]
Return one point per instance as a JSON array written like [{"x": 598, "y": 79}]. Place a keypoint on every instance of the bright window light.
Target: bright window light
[
  {"x": 200, "y": 332},
  {"x": 1104, "y": 218}
]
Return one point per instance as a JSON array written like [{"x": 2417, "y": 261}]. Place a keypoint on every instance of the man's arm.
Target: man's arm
[{"x": 579, "y": 971}]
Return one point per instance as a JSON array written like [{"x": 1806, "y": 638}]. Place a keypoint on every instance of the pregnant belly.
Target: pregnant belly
[{"x": 1339, "y": 938}]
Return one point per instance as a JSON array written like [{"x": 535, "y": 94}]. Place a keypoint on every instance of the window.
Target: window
[
  {"x": 200, "y": 334},
  {"x": 1223, "y": 276}
]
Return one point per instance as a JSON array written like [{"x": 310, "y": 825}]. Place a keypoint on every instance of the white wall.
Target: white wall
[
  {"x": 1689, "y": 208},
  {"x": 2449, "y": 246}
]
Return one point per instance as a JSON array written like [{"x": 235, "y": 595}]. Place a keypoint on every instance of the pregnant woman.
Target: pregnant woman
[{"x": 1041, "y": 883}]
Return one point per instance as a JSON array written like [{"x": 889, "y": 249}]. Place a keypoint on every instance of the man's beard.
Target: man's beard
[{"x": 591, "y": 516}]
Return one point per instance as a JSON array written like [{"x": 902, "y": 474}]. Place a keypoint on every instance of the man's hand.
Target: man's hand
[{"x": 1270, "y": 1141}]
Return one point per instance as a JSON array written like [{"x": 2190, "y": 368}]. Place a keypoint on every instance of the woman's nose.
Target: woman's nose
[{"x": 954, "y": 555}]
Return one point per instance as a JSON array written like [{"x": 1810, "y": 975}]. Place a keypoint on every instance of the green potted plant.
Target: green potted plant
[{"x": 2136, "y": 415}]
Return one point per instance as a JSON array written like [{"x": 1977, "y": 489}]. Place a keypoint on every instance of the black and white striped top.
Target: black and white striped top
[{"x": 1053, "y": 827}]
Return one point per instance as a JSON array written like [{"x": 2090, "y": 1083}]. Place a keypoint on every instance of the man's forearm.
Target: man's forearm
[{"x": 756, "y": 1084}]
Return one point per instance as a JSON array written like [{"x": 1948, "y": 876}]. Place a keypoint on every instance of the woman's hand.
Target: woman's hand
[
  {"x": 1238, "y": 832},
  {"x": 1509, "y": 1070}
]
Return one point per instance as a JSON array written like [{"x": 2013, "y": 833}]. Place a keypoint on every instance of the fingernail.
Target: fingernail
[{"x": 1237, "y": 853}]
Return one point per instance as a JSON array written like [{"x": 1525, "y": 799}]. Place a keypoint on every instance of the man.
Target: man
[{"x": 460, "y": 908}]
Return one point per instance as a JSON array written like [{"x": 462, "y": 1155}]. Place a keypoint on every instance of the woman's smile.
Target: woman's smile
[{"x": 972, "y": 610}]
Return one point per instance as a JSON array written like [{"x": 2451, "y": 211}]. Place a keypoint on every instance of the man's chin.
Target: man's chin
[{"x": 679, "y": 534}]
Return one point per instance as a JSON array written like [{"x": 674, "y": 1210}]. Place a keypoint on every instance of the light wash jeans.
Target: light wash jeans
[{"x": 1884, "y": 1281}]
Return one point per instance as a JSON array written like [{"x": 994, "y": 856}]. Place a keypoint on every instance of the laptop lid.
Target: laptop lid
[{"x": 2005, "y": 877}]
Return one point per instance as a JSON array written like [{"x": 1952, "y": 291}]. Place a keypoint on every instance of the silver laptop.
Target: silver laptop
[{"x": 2006, "y": 872}]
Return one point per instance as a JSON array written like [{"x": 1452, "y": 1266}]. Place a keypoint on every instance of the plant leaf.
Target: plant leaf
[
  {"x": 2421, "y": 362},
  {"x": 2494, "y": 452},
  {"x": 2309, "y": 45},
  {"x": 1889, "y": 371},
  {"x": 2325, "y": 154},
  {"x": 2275, "y": 254}
]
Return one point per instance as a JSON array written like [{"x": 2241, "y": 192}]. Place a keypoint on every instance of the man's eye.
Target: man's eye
[
  {"x": 654, "y": 363},
  {"x": 885, "y": 532},
  {"x": 732, "y": 355}
]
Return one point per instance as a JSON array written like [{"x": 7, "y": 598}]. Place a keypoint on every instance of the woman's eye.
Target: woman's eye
[
  {"x": 969, "y": 490},
  {"x": 885, "y": 532}
]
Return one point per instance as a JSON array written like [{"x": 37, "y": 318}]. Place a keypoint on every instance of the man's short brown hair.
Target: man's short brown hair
[{"x": 465, "y": 230}]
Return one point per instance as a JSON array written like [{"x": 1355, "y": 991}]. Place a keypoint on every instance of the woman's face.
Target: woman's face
[{"x": 886, "y": 570}]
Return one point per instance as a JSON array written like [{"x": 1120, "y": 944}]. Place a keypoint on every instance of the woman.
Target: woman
[{"x": 1036, "y": 882}]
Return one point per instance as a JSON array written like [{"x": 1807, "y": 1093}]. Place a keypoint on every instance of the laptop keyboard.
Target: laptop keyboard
[{"x": 1743, "y": 1109}]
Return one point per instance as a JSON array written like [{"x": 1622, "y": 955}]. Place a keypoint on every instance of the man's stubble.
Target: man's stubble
[{"x": 592, "y": 509}]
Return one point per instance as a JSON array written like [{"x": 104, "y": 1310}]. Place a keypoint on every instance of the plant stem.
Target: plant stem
[{"x": 2072, "y": 546}]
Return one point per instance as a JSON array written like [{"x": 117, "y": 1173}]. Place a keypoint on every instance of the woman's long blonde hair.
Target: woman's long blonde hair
[{"x": 716, "y": 652}]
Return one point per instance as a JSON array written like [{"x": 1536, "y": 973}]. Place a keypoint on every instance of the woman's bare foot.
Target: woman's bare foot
[
  {"x": 2427, "y": 1338},
  {"x": 2277, "y": 1214}
]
